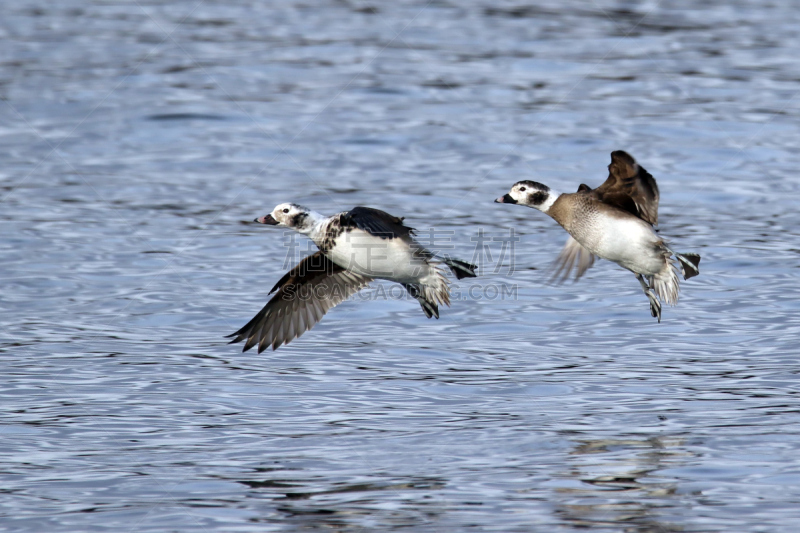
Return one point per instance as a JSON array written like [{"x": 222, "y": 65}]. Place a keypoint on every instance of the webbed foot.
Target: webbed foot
[{"x": 655, "y": 305}]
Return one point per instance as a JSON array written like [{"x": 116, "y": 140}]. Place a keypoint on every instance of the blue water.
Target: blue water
[{"x": 139, "y": 141}]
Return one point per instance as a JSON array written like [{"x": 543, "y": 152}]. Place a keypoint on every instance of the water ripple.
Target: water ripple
[{"x": 141, "y": 140}]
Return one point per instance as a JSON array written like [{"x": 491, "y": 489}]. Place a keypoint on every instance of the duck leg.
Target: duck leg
[{"x": 655, "y": 305}]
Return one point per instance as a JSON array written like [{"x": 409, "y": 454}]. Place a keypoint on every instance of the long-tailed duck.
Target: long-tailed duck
[
  {"x": 355, "y": 247},
  {"x": 614, "y": 221}
]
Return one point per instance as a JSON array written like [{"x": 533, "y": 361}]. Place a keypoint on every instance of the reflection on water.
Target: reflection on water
[
  {"x": 628, "y": 469},
  {"x": 139, "y": 141}
]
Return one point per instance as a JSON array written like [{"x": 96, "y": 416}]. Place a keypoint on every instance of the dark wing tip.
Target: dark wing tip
[
  {"x": 623, "y": 156},
  {"x": 622, "y": 165},
  {"x": 629, "y": 187},
  {"x": 261, "y": 348}
]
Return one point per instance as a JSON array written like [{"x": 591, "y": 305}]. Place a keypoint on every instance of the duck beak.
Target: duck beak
[
  {"x": 505, "y": 199},
  {"x": 267, "y": 220}
]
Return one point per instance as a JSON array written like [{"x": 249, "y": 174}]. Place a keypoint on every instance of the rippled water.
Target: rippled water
[{"x": 140, "y": 139}]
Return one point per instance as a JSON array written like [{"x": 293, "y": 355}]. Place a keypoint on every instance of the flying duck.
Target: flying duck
[
  {"x": 615, "y": 222},
  {"x": 355, "y": 247}
]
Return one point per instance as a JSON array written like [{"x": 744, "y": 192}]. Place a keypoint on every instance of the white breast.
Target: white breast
[
  {"x": 366, "y": 254},
  {"x": 627, "y": 241}
]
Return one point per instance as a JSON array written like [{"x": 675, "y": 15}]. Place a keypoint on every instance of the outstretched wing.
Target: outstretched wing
[
  {"x": 629, "y": 187},
  {"x": 377, "y": 222},
  {"x": 304, "y": 295},
  {"x": 573, "y": 255}
]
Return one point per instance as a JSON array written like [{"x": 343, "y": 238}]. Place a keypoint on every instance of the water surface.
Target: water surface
[{"x": 139, "y": 140}]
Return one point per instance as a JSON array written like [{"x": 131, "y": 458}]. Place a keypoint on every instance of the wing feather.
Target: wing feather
[
  {"x": 301, "y": 299},
  {"x": 572, "y": 255},
  {"x": 629, "y": 187}
]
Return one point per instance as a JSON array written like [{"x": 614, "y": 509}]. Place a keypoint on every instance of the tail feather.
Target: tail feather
[
  {"x": 432, "y": 292},
  {"x": 437, "y": 287},
  {"x": 666, "y": 283},
  {"x": 461, "y": 269},
  {"x": 690, "y": 264}
]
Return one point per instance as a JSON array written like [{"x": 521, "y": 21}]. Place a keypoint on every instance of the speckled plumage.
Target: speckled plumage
[
  {"x": 330, "y": 232},
  {"x": 355, "y": 247},
  {"x": 614, "y": 222}
]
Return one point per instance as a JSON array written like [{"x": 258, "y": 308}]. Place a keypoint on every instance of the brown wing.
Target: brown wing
[
  {"x": 304, "y": 295},
  {"x": 573, "y": 254},
  {"x": 629, "y": 187}
]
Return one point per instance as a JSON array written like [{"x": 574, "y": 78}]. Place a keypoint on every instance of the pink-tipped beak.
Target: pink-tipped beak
[
  {"x": 505, "y": 199},
  {"x": 267, "y": 220}
]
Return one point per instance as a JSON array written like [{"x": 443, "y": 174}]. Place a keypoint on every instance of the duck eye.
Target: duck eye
[
  {"x": 522, "y": 189},
  {"x": 286, "y": 210}
]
